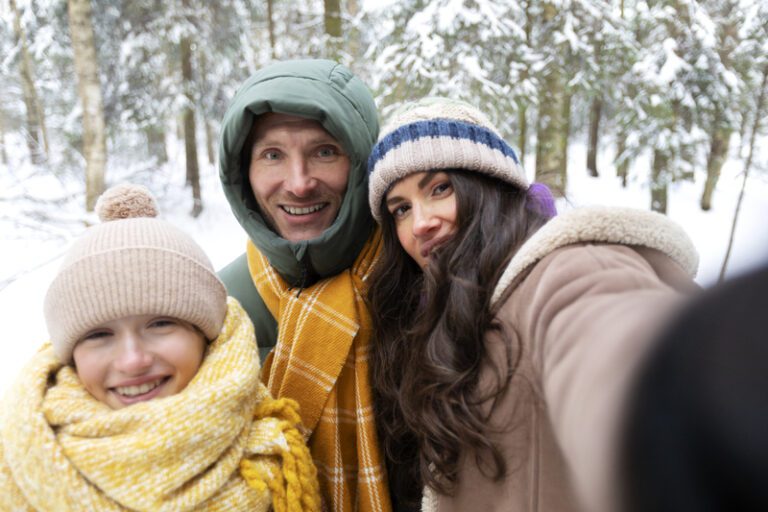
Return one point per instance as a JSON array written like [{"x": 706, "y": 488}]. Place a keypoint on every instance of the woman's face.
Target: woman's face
[
  {"x": 138, "y": 358},
  {"x": 423, "y": 206}
]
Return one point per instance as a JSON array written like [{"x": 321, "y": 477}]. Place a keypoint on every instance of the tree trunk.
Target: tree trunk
[
  {"x": 209, "y": 145},
  {"x": 566, "y": 132},
  {"x": 747, "y": 166},
  {"x": 718, "y": 152},
  {"x": 207, "y": 128},
  {"x": 332, "y": 19},
  {"x": 190, "y": 142},
  {"x": 595, "y": 111},
  {"x": 89, "y": 89},
  {"x": 550, "y": 165},
  {"x": 594, "y": 135},
  {"x": 721, "y": 130},
  {"x": 3, "y": 151},
  {"x": 156, "y": 148},
  {"x": 622, "y": 166},
  {"x": 743, "y": 129},
  {"x": 271, "y": 28},
  {"x": 353, "y": 32},
  {"x": 687, "y": 160},
  {"x": 37, "y": 135},
  {"x": 522, "y": 128},
  {"x": 659, "y": 181},
  {"x": 522, "y": 112}
]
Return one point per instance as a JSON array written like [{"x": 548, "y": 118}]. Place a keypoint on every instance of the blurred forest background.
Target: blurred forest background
[{"x": 100, "y": 91}]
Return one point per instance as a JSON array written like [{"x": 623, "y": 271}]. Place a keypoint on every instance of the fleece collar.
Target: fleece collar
[{"x": 603, "y": 225}]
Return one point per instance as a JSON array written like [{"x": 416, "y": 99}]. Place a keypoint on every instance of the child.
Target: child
[{"x": 137, "y": 314}]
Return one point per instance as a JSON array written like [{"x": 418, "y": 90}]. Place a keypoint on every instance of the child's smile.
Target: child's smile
[{"x": 138, "y": 358}]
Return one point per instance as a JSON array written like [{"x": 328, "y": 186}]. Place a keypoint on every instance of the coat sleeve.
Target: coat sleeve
[
  {"x": 238, "y": 282},
  {"x": 588, "y": 314}
]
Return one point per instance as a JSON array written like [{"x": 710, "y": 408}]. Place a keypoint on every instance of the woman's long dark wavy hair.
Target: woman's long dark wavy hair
[{"x": 430, "y": 328}]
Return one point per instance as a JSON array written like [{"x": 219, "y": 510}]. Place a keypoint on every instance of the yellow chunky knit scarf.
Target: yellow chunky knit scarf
[
  {"x": 220, "y": 444},
  {"x": 321, "y": 361}
]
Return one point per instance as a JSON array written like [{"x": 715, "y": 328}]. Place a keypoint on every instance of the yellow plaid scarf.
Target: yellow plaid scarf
[
  {"x": 321, "y": 361},
  {"x": 61, "y": 449}
]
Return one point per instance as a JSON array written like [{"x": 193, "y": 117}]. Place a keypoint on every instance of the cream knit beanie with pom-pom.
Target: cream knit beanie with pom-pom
[{"x": 131, "y": 264}]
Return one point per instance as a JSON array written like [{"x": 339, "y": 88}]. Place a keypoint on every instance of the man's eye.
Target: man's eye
[{"x": 327, "y": 151}]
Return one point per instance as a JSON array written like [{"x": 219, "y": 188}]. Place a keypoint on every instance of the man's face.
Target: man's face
[{"x": 298, "y": 175}]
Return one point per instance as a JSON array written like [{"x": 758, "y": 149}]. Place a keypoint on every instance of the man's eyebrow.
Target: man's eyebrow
[
  {"x": 320, "y": 139},
  {"x": 266, "y": 142},
  {"x": 324, "y": 139}
]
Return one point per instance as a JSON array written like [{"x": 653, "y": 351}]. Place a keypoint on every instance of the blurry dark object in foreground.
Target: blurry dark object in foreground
[{"x": 697, "y": 428}]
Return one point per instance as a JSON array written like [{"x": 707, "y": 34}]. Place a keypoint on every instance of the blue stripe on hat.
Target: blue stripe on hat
[{"x": 434, "y": 128}]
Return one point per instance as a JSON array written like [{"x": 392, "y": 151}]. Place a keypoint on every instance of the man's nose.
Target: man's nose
[
  {"x": 300, "y": 181},
  {"x": 132, "y": 356}
]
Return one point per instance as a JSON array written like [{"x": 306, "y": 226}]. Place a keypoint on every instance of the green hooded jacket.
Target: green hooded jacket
[{"x": 330, "y": 94}]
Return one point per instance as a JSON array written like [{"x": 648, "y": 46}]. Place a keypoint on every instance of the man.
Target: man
[{"x": 293, "y": 150}]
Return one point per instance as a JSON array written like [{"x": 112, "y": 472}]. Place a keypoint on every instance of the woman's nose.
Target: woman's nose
[{"x": 424, "y": 221}]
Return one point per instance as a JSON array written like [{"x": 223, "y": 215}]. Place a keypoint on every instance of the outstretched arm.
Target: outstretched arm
[{"x": 590, "y": 314}]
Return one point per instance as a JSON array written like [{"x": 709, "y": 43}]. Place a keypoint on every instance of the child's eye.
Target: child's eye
[
  {"x": 159, "y": 323},
  {"x": 97, "y": 335}
]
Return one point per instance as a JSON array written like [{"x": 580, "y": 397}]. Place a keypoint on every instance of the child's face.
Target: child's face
[{"x": 138, "y": 358}]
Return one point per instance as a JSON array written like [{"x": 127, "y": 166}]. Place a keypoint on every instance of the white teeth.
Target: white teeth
[
  {"x": 293, "y": 210},
  {"x": 138, "y": 390}
]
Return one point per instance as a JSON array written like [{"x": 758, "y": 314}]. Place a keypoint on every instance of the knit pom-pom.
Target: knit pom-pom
[{"x": 126, "y": 201}]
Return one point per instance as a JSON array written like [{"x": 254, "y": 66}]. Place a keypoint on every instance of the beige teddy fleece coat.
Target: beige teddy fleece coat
[{"x": 581, "y": 302}]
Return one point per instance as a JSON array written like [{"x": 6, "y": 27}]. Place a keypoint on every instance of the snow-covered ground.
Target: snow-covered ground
[{"x": 25, "y": 251}]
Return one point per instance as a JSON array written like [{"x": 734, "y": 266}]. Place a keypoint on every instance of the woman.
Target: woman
[{"x": 505, "y": 337}]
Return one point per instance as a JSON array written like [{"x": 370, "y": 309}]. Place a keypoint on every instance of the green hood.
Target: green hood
[{"x": 326, "y": 92}]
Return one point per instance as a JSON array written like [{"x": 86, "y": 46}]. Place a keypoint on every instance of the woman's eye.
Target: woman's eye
[
  {"x": 441, "y": 187},
  {"x": 271, "y": 155},
  {"x": 399, "y": 211}
]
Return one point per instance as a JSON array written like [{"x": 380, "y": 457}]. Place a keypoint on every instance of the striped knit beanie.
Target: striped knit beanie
[
  {"x": 131, "y": 264},
  {"x": 434, "y": 134}
]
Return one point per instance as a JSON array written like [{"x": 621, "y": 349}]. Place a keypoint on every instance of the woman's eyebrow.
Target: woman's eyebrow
[
  {"x": 393, "y": 200},
  {"x": 426, "y": 179}
]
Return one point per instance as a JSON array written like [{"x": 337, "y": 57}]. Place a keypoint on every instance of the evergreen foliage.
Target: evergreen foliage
[{"x": 674, "y": 79}]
